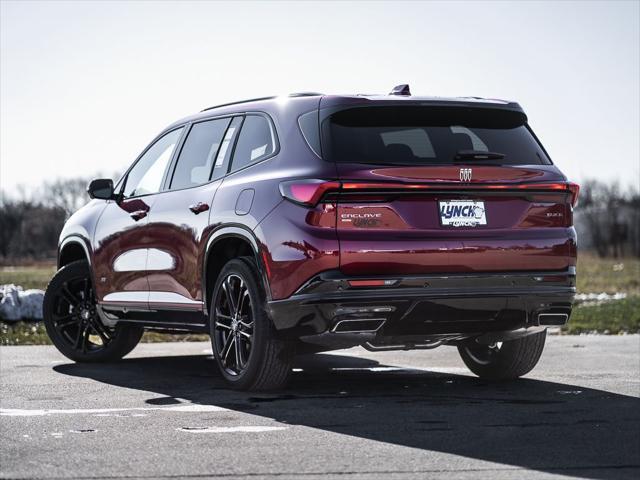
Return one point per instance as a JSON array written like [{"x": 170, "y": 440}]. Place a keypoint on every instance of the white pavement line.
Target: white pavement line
[
  {"x": 246, "y": 429},
  {"x": 191, "y": 408}
]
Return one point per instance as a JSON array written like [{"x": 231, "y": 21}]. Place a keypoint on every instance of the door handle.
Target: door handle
[
  {"x": 138, "y": 214},
  {"x": 199, "y": 207}
]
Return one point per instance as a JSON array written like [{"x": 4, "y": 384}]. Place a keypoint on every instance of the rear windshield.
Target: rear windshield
[{"x": 429, "y": 135}]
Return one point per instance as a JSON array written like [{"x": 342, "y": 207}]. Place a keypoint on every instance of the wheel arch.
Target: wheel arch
[
  {"x": 71, "y": 249},
  {"x": 223, "y": 245}
]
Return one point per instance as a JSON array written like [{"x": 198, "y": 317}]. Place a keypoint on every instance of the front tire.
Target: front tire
[
  {"x": 506, "y": 360},
  {"x": 245, "y": 345},
  {"x": 72, "y": 322}
]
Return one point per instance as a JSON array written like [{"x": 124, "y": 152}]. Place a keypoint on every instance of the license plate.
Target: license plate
[{"x": 462, "y": 213}]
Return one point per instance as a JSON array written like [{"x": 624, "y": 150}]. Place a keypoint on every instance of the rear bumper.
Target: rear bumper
[{"x": 426, "y": 305}]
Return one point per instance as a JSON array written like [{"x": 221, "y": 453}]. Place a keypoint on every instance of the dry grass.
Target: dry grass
[
  {"x": 620, "y": 316},
  {"x": 27, "y": 277},
  {"x": 595, "y": 275},
  {"x": 609, "y": 275}
]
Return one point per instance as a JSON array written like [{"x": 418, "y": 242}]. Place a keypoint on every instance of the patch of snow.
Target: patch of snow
[
  {"x": 18, "y": 304},
  {"x": 589, "y": 299}
]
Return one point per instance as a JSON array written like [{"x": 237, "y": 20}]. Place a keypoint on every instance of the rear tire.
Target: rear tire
[
  {"x": 245, "y": 345},
  {"x": 505, "y": 361},
  {"x": 73, "y": 324}
]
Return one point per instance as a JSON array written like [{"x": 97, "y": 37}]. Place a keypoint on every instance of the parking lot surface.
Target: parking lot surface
[{"x": 164, "y": 412}]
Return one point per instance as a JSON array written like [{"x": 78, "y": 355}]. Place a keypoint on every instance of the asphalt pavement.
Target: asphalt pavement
[{"x": 164, "y": 412}]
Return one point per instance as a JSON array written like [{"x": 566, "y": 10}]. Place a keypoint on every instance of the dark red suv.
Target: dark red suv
[{"x": 315, "y": 222}]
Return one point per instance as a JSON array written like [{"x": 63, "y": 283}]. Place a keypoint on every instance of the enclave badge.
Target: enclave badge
[{"x": 465, "y": 174}]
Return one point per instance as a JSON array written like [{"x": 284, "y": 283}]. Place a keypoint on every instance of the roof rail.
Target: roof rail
[
  {"x": 293, "y": 95},
  {"x": 305, "y": 94},
  {"x": 239, "y": 102}
]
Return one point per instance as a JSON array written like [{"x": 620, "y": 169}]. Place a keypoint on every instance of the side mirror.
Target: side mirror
[{"x": 101, "y": 188}]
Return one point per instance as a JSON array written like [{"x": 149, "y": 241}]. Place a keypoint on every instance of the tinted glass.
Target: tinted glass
[
  {"x": 224, "y": 153},
  {"x": 310, "y": 129},
  {"x": 198, "y": 154},
  {"x": 254, "y": 143},
  {"x": 428, "y": 135},
  {"x": 146, "y": 175}
]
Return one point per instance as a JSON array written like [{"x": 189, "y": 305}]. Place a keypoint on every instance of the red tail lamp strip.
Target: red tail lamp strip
[
  {"x": 572, "y": 188},
  {"x": 309, "y": 192}
]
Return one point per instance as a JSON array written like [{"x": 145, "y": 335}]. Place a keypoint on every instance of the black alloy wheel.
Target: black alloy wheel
[
  {"x": 233, "y": 329},
  {"x": 72, "y": 321},
  {"x": 75, "y": 317},
  {"x": 249, "y": 352}
]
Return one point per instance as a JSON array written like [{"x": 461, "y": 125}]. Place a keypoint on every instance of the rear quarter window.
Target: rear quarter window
[
  {"x": 310, "y": 128},
  {"x": 256, "y": 142}
]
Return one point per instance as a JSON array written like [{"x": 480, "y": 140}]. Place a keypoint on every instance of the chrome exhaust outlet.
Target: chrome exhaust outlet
[
  {"x": 360, "y": 325},
  {"x": 552, "y": 319}
]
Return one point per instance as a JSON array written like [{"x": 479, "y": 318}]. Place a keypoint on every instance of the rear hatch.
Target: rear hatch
[{"x": 445, "y": 189}]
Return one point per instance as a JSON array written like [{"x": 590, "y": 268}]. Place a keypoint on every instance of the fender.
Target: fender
[
  {"x": 238, "y": 231},
  {"x": 86, "y": 246},
  {"x": 74, "y": 238}
]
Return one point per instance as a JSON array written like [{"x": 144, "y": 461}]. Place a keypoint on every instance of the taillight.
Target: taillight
[
  {"x": 574, "y": 188},
  {"x": 307, "y": 192}
]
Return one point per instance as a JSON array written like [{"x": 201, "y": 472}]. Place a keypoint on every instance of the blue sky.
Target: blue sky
[{"x": 84, "y": 86}]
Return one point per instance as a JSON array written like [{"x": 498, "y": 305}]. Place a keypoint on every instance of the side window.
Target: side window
[
  {"x": 310, "y": 129},
  {"x": 224, "y": 153},
  {"x": 256, "y": 141},
  {"x": 146, "y": 175},
  {"x": 198, "y": 154}
]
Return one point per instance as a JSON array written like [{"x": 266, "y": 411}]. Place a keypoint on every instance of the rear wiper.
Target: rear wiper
[{"x": 478, "y": 155}]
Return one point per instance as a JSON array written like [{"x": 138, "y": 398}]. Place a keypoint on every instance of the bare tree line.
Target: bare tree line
[
  {"x": 31, "y": 221},
  {"x": 607, "y": 219}
]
